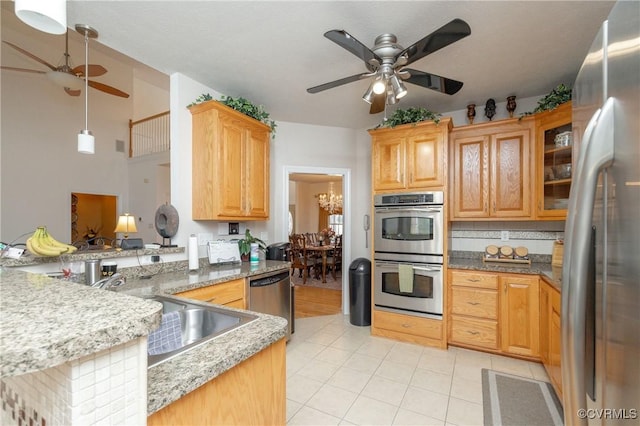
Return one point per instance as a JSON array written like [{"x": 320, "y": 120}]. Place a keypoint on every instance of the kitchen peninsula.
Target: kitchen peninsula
[{"x": 72, "y": 354}]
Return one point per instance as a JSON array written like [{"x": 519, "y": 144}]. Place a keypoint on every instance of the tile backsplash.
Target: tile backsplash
[{"x": 537, "y": 237}]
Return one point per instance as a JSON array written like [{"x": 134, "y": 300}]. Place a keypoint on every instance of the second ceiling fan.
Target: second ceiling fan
[
  {"x": 67, "y": 76},
  {"x": 387, "y": 60}
]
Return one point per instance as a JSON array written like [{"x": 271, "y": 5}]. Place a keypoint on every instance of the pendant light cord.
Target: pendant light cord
[{"x": 86, "y": 81}]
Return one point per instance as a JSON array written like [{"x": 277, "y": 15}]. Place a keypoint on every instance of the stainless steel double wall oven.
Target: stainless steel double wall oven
[{"x": 408, "y": 253}]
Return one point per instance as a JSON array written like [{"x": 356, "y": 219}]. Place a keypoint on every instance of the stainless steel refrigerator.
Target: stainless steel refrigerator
[{"x": 601, "y": 269}]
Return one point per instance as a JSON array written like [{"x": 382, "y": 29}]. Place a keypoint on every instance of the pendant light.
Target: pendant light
[
  {"x": 86, "y": 141},
  {"x": 49, "y": 16}
]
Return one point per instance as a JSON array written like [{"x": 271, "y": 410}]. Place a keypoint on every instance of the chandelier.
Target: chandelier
[{"x": 330, "y": 202}]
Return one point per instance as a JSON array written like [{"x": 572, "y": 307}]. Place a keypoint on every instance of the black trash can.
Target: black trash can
[
  {"x": 360, "y": 291},
  {"x": 278, "y": 251}
]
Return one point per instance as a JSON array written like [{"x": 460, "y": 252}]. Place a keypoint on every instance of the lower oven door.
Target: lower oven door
[{"x": 409, "y": 288}]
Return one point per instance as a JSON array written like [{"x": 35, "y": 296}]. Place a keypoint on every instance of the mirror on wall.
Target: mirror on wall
[{"x": 93, "y": 218}]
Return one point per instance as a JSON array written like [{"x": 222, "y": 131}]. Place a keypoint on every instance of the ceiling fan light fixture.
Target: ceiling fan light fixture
[
  {"x": 399, "y": 90},
  {"x": 49, "y": 16},
  {"x": 391, "y": 98},
  {"x": 379, "y": 86},
  {"x": 86, "y": 142},
  {"x": 369, "y": 95},
  {"x": 67, "y": 80}
]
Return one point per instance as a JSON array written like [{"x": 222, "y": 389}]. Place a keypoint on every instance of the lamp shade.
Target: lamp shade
[
  {"x": 126, "y": 224},
  {"x": 86, "y": 142},
  {"x": 49, "y": 16}
]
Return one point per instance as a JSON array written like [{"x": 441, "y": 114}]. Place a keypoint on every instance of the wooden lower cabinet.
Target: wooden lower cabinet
[
  {"x": 550, "y": 333},
  {"x": 473, "y": 309},
  {"x": 230, "y": 294},
  {"x": 494, "y": 312},
  {"x": 252, "y": 393},
  {"x": 408, "y": 328},
  {"x": 519, "y": 315}
]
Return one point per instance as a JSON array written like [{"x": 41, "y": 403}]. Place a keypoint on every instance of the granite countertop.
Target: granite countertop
[
  {"x": 183, "y": 280},
  {"x": 172, "y": 379},
  {"x": 47, "y": 321},
  {"x": 553, "y": 275}
]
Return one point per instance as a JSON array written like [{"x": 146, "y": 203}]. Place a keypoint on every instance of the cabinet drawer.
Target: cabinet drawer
[
  {"x": 219, "y": 293},
  {"x": 474, "y": 279},
  {"x": 476, "y": 332},
  {"x": 474, "y": 302},
  {"x": 417, "y": 326}
]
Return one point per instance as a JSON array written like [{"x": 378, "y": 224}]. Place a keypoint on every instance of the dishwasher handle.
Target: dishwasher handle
[{"x": 270, "y": 280}]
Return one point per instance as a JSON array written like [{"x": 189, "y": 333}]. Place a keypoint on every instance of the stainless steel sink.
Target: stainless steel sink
[{"x": 200, "y": 322}]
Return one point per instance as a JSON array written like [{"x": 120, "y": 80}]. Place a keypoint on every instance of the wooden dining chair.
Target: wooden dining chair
[
  {"x": 334, "y": 262},
  {"x": 300, "y": 259}
]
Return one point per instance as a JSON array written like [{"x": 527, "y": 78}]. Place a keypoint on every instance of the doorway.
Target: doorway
[{"x": 292, "y": 210}]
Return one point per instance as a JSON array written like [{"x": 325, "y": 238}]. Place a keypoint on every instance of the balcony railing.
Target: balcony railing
[{"x": 149, "y": 135}]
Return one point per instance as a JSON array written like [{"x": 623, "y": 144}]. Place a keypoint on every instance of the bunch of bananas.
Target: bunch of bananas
[{"x": 41, "y": 243}]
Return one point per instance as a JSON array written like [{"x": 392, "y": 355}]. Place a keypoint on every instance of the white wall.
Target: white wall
[{"x": 40, "y": 163}]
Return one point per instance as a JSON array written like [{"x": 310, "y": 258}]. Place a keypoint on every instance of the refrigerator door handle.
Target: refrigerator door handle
[{"x": 595, "y": 155}]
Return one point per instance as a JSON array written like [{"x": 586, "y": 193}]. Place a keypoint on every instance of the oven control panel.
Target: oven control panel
[{"x": 416, "y": 198}]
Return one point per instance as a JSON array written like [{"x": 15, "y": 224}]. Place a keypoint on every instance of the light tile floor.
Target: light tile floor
[{"x": 338, "y": 374}]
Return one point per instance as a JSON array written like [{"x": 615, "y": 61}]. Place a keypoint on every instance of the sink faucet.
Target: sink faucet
[{"x": 114, "y": 280}]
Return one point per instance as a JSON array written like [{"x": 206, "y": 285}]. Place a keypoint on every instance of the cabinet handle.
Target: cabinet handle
[
  {"x": 473, "y": 303},
  {"x": 474, "y": 333},
  {"x": 406, "y": 325},
  {"x": 473, "y": 280},
  {"x": 210, "y": 300},
  {"x": 494, "y": 206}
]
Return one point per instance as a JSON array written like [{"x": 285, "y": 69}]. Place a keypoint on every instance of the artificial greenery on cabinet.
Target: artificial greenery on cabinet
[
  {"x": 242, "y": 105},
  {"x": 410, "y": 115},
  {"x": 553, "y": 100}
]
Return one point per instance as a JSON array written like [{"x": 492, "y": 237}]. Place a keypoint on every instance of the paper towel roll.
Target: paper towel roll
[{"x": 193, "y": 253}]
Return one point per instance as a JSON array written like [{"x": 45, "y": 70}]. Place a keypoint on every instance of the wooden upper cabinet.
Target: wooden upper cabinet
[
  {"x": 491, "y": 173},
  {"x": 470, "y": 180},
  {"x": 410, "y": 156},
  {"x": 553, "y": 180},
  {"x": 230, "y": 164}
]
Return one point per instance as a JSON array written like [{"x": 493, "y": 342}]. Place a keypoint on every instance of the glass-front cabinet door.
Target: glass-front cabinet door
[{"x": 555, "y": 162}]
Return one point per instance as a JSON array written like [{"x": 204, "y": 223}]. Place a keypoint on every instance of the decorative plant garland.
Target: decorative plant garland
[{"x": 243, "y": 106}]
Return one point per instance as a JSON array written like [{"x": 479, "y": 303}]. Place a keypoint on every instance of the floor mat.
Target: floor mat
[{"x": 515, "y": 400}]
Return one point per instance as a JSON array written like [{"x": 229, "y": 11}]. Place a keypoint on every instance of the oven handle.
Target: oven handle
[
  {"x": 419, "y": 268},
  {"x": 404, "y": 209}
]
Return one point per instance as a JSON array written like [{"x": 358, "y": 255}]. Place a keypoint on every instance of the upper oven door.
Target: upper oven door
[{"x": 409, "y": 229}]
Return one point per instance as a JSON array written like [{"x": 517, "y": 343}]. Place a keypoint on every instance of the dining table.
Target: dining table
[{"x": 322, "y": 250}]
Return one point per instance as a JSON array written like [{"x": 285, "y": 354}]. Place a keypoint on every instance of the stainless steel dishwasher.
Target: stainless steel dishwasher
[{"x": 270, "y": 293}]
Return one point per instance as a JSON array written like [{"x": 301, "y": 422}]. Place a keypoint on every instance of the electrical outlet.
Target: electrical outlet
[
  {"x": 504, "y": 235},
  {"x": 155, "y": 258}
]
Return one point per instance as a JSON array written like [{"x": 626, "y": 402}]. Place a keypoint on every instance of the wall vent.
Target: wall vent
[{"x": 119, "y": 146}]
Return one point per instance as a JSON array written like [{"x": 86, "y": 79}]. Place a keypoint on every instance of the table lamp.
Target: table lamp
[{"x": 126, "y": 225}]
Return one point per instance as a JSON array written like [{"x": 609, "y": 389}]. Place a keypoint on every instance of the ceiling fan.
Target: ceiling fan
[
  {"x": 67, "y": 76},
  {"x": 386, "y": 60}
]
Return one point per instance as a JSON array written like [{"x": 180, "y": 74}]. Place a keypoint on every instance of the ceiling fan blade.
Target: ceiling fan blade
[
  {"x": 22, "y": 69},
  {"x": 30, "y": 55},
  {"x": 348, "y": 42},
  {"x": 433, "y": 82},
  {"x": 107, "y": 89},
  {"x": 71, "y": 92},
  {"x": 378, "y": 103},
  {"x": 337, "y": 83},
  {"x": 442, "y": 37},
  {"x": 94, "y": 70}
]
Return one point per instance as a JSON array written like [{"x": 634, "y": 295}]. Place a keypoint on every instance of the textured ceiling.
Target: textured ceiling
[{"x": 271, "y": 51}]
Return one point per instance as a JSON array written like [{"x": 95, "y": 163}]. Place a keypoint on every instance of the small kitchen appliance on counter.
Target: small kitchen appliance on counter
[{"x": 223, "y": 252}]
